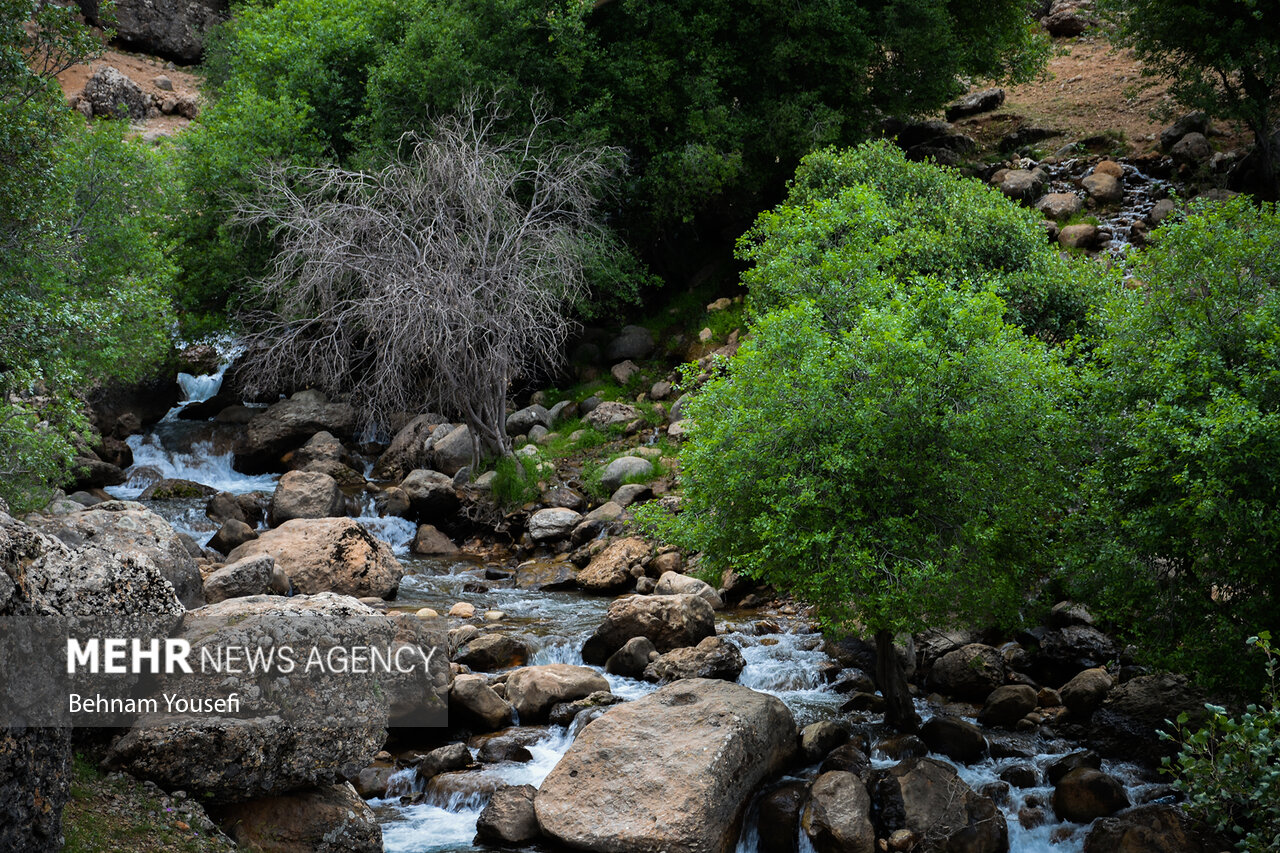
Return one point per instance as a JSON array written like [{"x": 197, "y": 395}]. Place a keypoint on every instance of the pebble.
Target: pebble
[
  {"x": 463, "y": 610},
  {"x": 426, "y": 614}
]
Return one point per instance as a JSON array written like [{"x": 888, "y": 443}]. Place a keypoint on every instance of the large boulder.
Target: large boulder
[
  {"x": 674, "y": 583},
  {"x": 491, "y": 652},
  {"x": 519, "y": 423},
  {"x": 287, "y": 426},
  {"x": 616, "y": 566},
  {"x": 714, "y": 657},
  {"x": 632, "y": 342},
  {"x": 959, "y": 740},
  {"x": 970, "y": 672},
  {"x": 111, "y": 94},
  {"x": 837, "y": 817},
  {"x": 624, "y": 468},
  {"x": 632, "y": 658},
  {"x": 928, "y": 798},
  {"x": 1129, "y": 721},
  {"x": 306, "y": 494},
  {"x": 328, "y": 555},
  {"x": 780, "y": 810},
  {"x": 509, "y": 819},
  {"x": 291, "y": 726},
  {"x": 669, "y": 621},
  {"x": 174, "y": 29},
  {"x": 478, "y": 703},
  {"x": 532, "y": 690},
  {"x": 124, "y": 527},
  {"x": 333, "y": 819},
  {"x": 452, "y": 452},
  {"x": 610, "y": 414},
  {"x": 1087, "y": 691},
  {"x": 548, "y": 525},
  {"x": 1085, "y": 794},
  {"x": 1146, "y": 829},
  {"x": 668, "y": 773},
  {"x": 431, "y": 495},
  {"x": 1008, "y": 704},
  {"x": 250, "y": 576}
]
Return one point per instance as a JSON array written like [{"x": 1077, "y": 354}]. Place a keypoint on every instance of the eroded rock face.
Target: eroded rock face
[
  {"x": 928, "y": 798},
  {"x": 292, "y": 729},
  {"x": 615, "y": 566},
  {"x": 328, "y": 555},
  {"x": 125, "y": 527},
  {"x": 669, "y": 772},
  {"x": 669, "y": 621},
  {"x": 332, "y": 819}
]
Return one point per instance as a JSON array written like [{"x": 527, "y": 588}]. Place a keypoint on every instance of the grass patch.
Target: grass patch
[
  {"x": 591, "y": 479},
  {"x": 111, "y": 814},
  {"x": 515, "y": 481}
]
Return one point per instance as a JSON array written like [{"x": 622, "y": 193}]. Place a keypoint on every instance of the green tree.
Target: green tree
[
  {"x": 83, "y": 276},
  {"x": 1220, "y": 56},
  {"x": 885, "y": 444},
  {"x": 1180, "y": 530}
]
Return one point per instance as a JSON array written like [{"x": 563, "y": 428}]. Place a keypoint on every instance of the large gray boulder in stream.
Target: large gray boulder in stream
[
  {"x": 928, "y": 798},
  {"x": 292, "y": 726},
  {"x": 287, "y": 426},
  {"x": 328, "y": 555},
  {"x": 668, "y": 773}
]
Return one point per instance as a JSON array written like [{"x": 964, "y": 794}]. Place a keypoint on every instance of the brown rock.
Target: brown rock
[
  {"x": 329, "y": 555},
  {"x": 509, "y": 818},
  {"x": 670, "y": 621},
  {"x": 319, "y": 820},
  {"x": 928, "y": 798},
  {"x": 837, "y": 818},
  {"x": 610, "y": 570},
  {"x": 1085, "y": 693},
  {"x": 1085, "y": 794},
  {"x": 431, "y": 541},
  {"x": 532, "y": 690},
  {"x": 306, "y": 494}
]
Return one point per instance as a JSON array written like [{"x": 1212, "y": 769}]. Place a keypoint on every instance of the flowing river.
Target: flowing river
[{"x": 783, "y": 657}]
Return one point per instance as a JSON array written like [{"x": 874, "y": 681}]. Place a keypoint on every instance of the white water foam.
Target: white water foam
[{"x": 152, "y": 462}]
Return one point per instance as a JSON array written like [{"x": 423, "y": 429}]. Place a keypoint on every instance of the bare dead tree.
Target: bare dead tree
[{"x": 437, "y": 281}]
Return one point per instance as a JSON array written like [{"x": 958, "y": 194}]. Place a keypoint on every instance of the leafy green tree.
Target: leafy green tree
[
  {"x": 1180, "y": 530},
  {"x": 1220, "y": 56},
  {"x": 84, "y": 280}
]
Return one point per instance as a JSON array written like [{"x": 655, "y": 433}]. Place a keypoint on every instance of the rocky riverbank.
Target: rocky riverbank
[{"x": 598, "y": 695}]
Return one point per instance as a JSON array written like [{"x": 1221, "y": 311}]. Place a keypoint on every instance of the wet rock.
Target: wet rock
[
  {"x": 306, "y": 494},
  {"x": 287, "y": 426},
  {"x": 669, "y": 621},
  {"x": 250, "y": 576},
  {"x": 957, "y": 739},
  {"x": 1022, "y": 185},
  {"x": 983, "y": 101},
  {"x": 670, "y": 772},
  {"x": 970, "y": 672},
  {"x": 713, "y": 657},
  {"x": 1191, "y": 150},
  {"x": 474, "y": 700},
  {"x": 609, "y": 414},
  {"x": 612, "y": 569},
  {"x": 1055, "y": 770},
  {"x": 444, "y": 759},
  {"x": 320, "y": 820},
  {"x": 296, "y": 730},
  {"x": 175, "y": 489},
  {"x": 564, "y": 713},
  {"x": 837, "y": 816},
  {"x": 1008, "y": 704},
  {"x": 507, "y": 745},
  {"x": 232, "y": 535},
  {"x": 632, "y": 658},
  {"x": 492, "y": 652},
  {"x": 1103, "y": 188},
  {"x": 1146, "y": 829},
  {"x": 673, "y": 583},
  {"x": 509, "y": 817},
  {"x": 820, "y": 738},
  {"x": 848, "y": 758},
  {"x": 371, "y": 783},
  {"x": 900, "y": 747},
  {"x": 430, "y": 541},
  {"x": 1021, "y": 776},
  {"x": 546, "y": 574},
  {"x": 548, "y": 525},
  {"x": 431, "y": 494},
  {"x": 125, "y": 527},
  {"x": 1086, "y": 692},
  {"x": 1085, "y": 794},
  {"x": 928, "y": 798},
  {"x": 780, "y": 817},
  {"x": 328, "y": 555},
  {"x": 1129, "y": 721},
  {"x": 533, "y": 690}
]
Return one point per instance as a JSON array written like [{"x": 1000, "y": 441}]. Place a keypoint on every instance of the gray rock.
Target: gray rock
[
  {"x": 983, "y": 101},
  {"x": 250, "y": 576},
  {"x": 1196, "y": 122},
  {"x": 714, "y": 657},
  {"x": 509, "y": 817},
  {"x": 624, "y": 468},
  {"x": 670, "y": 772},
  {"x": 626, "y": 495},
  {"x": 1022, "y": 185},
  {"x": 1191, "y": 150},
  {"x": 519, "y": 423},
  {"x": 837, "y": 817},
  {"x": 533, "y": 690},
  {"x": 411, "y": 446},
  {"x": 306, "y": 494},
  {"x": 669, "y": 621},
  {"x": 635, "y": 342},
  {"x": 286, "y": 426},
  {"x": 928, "y": 798},
  {"x": 547, "y": 525},
  {"x": 1060, "y": 206},
  {"x": 113, "y": 95},
  {"x": 610, "y": 414},
  {"x": 431, "y": 494},
  {"x": 968, "y": 673},
  {"x": 673, "y": 583},
  {"x": 623, "y": 371},
  {"x": 452, "y": 453}
]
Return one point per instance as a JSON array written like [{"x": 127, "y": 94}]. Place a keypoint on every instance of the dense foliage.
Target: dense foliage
[
  {"x": 1229, "y": 769},
  {"x": 1180, "y": 527},
  {"x": 885, "y": 443},
  {"x": 713, "y": 103},
  {"x": 85, "y": 279},
  {"x": 1220, "y": 56}
]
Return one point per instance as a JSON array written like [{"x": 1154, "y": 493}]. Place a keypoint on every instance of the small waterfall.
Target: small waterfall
[{"x": 201, "y": 463}]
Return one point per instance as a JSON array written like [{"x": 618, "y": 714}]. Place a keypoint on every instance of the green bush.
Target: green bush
[
  {"x": 1178, "y": 528},
  {"x": 859, "y": 220},
  {"x": 1229, "y": 769}
]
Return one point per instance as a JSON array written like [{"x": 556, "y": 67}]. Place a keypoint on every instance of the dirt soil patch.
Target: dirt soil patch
[{"x": 142, "y": 70}]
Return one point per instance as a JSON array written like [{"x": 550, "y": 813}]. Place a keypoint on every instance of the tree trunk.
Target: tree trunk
[{"x": 891, "y": 678}]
